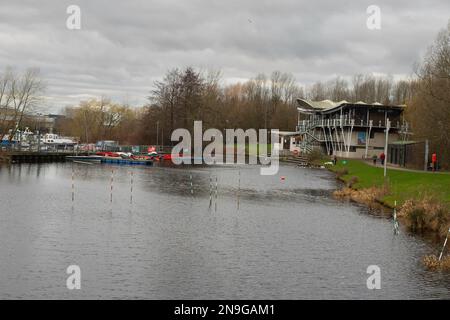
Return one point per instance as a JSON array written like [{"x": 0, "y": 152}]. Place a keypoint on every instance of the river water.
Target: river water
[{"x": 267, "y": 238}]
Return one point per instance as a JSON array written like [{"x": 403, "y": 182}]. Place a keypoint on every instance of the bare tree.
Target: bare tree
[{"x": 19, "y": 94}]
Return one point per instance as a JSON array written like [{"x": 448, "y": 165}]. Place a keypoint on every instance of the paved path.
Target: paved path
[{"x": 394, "y": 167}]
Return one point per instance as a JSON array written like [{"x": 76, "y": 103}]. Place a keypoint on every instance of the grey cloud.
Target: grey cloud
[{"x": 125, "y": 45}]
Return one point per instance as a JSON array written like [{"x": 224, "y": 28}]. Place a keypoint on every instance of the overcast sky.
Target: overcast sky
[{"x": 124, "y": 46}]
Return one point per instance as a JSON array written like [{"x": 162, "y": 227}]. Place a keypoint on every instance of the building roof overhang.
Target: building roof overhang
[{"x": 328, "y": 106}]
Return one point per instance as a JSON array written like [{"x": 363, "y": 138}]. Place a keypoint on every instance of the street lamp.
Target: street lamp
[
  {"x": 388, "y": 126},
  {"x": 157, "y": 134}
]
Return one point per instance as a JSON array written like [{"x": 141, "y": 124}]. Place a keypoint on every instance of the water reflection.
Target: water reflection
[{"x": 288, "y": 238}]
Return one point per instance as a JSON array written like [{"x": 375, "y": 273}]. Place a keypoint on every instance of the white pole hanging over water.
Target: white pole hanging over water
[
  {"x": 239, "y": 187},
  {"x": 131, "y": 187},
  {"x": 396, "y": 225},
  {"x": 215, "y": 200},
  {"x": 112, "y": 183},
  {"x": 445, "y": 243},
  {"x": 73, "y": 184},
  {"x": 210, "y": 191}
]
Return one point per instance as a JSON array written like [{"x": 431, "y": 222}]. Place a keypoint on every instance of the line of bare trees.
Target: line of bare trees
[
  {"x": 184, "y": 96},
  {"x": 261, "y": 102}
]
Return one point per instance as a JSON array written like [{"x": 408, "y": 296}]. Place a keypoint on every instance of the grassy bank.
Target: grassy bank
[
  {"x": 400, "y": 185},
  {"x": 423, "y": 198},
  {"x": 253, "y": 149}
]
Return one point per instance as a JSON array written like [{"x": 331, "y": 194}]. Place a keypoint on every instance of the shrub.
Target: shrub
[
  {"x": 352, "y": 181},
  {"x": 432, "y": 262},
  {"x": 426, "y": 214},
  {"x": 316, "y": 155}
]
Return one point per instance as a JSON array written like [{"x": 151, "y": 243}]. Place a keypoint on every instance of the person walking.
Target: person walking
[
  {"x": 334, "y": 160},
  {"x": 382, "y": 158},
  {"x": 374, "y": 159}
]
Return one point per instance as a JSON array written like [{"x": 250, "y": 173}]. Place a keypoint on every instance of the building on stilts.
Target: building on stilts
[{"x": 346, "y": 129}]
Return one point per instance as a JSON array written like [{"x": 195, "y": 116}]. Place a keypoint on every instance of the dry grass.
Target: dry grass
[
  {"x": 432, "y": 262},
  {"x": 427, "y": 214},
  {"x": 368, "y": 196}
]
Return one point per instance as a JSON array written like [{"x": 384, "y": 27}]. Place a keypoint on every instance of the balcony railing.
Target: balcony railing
[{"x": 305, "y": 125}]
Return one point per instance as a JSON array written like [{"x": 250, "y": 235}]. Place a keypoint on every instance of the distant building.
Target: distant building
[
  {"x": 33, "y": 121},
  {"x": 353, "y": 130}
]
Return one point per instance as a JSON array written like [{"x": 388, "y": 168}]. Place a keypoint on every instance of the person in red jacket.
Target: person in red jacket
[
  {"x": 382, "y": 157},
  {"x": 433, "y": 161}
]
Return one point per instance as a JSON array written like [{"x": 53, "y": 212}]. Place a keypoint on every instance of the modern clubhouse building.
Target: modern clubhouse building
[{"x": 345, "y": 129}]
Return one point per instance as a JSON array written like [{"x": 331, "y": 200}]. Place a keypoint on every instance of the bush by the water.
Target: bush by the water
[
  {"x": 432, "y": 262},
  {"x": 426, "y": 214},
  {"x": 368, "y": 196}
]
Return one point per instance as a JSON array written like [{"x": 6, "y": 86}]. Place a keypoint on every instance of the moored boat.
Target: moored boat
[
  {"x": 118, "y": 160},
  {"x": 106, "y": 159}
]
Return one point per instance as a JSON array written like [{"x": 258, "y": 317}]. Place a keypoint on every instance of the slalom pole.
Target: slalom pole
[
  {"x": 131, "y": 187},
  {"x": 112, "y": 185},
  {"x": 210, "y": 191},
  {"x": 239, "y": 188},
  {"x": 215, "y": 202},
  {"x": 73, "y": 183},
  {"x": 396, "y": 226},
  {"x": 445, "y": 243}
]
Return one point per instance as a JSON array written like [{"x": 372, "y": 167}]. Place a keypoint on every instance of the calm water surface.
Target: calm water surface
[{"x": 286, "y": 239}]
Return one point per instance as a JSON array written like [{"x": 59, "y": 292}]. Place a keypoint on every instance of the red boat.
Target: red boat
[{"x": 108, "y": 154}]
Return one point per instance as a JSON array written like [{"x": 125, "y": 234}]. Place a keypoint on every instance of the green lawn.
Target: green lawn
[
  {"x": 253, "y": 149},
  {"x": 403, "y": 185}
]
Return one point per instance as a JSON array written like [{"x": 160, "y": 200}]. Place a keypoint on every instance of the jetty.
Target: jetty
[{"x": 33, "y": 156}]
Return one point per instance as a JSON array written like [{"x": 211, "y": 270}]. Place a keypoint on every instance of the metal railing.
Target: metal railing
[{"x": 306, "y": 125}]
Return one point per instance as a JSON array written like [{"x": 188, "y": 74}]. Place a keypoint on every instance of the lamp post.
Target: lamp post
[
  {"x": 388, "y": 126},
  {"x": 157, "y": 134}
]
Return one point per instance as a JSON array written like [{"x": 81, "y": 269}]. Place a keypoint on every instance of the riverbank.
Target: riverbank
[
  {"x": 422, "y": 198},
  {"x": 399, "y": 186}
]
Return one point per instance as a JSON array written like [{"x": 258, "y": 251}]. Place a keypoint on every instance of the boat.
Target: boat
[
  {"x": 55, "y": 140},
  {"x": 119, "y": 160},
  {"x": 107, "y": 159}
]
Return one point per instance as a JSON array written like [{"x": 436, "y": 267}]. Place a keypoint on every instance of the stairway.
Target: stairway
[{"x": 300, "y": 160}]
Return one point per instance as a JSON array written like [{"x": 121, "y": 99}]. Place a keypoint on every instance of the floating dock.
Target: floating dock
[
  {"x": 112, "y": 160},
  {"x": 32, "y": 157}
]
